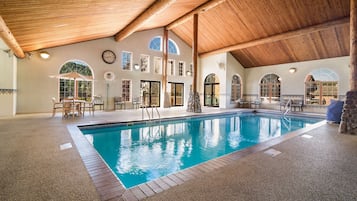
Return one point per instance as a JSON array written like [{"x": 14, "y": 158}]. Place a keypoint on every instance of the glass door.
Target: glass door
[
  {"x": 211, "y": 92},
  {"x": 176, "y": 97},
  {"x": 150, "y": 93}
]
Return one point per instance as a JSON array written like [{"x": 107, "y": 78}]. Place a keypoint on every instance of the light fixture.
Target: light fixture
[
  {"x": 292, "y": 70},
  {"x": 188, "y": 73},
  {"x": 44, "y": 55},
  {"x": 136, "y": 66}
]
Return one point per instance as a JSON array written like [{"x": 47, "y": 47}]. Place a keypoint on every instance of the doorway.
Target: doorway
[
  {"x": 150, "y": 93},
  {"x": 211, "y": 91},
  {"x": 176, "y": 93}
]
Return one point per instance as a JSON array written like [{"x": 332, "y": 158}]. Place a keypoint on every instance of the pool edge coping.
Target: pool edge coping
[{"x": 109, "y": 186}]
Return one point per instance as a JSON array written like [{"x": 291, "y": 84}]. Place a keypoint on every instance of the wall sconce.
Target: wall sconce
[
  {"x": 44, "y": 55},
  {"x": 292, "y": 70},
  {"x": 221, "y": 65},
  {"x": 136, "y": 66},
  {"x": 188, "y": 73}
]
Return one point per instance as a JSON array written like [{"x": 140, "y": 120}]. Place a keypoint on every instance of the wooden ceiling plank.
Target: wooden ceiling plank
[
  {"x": 282, "y": 36},
  {"x": 133, "y": 26},
  {"x": 10, "y": 40},
  {"x": 202, "y": 8}
]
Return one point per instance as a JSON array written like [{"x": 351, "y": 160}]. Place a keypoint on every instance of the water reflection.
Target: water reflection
[{"x": 144, "y": 152}]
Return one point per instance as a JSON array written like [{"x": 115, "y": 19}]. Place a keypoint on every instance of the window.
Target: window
[
  {"x": 236, "y": 88},
  {"x": 126, "y": 60},
  {"x": 126, "y": 90},
  {"x": 70, "y": 85},
  {"x": 156, "y": 44},
  {"x": 321, "y": 86},
  {"x": 171, "y": 67},
  {"x": 270, "y": 88},
  {"x": 144, "y": 63},
  {"x": 173, "y": 48},
  {"x": 181, "y": 68},
  {"x": 157, "y": 65}
]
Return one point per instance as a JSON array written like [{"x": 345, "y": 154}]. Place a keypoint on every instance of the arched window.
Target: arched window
[
  {"x": 270, "y": 88},
  {"x": 321, "y": 85},
  {"x": 75, "y": 80},
  {"x": 236, "y": 88},
  {"x": 211, "y": 91},
  {"x": 156, "y": 44}
]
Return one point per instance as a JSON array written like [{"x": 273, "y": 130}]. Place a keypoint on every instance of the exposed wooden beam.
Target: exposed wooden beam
[
  {"x": 10, "y": 40},
  {"x": 202, "y": 8},
  {"x": 133, "y": 26},
  {"x": 282, "y": 36}
]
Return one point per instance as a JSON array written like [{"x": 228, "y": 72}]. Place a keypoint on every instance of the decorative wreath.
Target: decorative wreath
[{"x": 109, "y": 76}]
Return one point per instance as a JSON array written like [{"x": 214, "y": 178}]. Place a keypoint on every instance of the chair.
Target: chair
[
  {"x": 256, "y": 103},
  {"x": 89, "y": 106},
  {"x": 69, "y": 108},
  {"x": 136, "y": 102},
  {"x": 118, "y": 101},
  {"x": 56, "y": 105},
  {"x": 98, "y": 101}
]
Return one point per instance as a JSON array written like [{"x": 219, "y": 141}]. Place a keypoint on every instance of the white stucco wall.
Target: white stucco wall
[
  {"x": 293, "y": 84},
  {"x": 36, "y": 88},
  {"x": 8, "y": 64},
  {"x": 229, "y": 66}
]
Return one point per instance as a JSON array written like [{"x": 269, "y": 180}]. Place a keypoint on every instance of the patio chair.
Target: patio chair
[
  {"x": 69, "y": 108},
  {"x": 98, "y": 101},
  {"x": 56, "y": 106},
  {"x": 136, "y": 102},
  {"x": 118, "y": 101},
  {"x": 87, "y": 106}
]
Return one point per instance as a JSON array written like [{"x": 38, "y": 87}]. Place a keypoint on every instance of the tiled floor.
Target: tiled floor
[{"x": 34, "y": 168}]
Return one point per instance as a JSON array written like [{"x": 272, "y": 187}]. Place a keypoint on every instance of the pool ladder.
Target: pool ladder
[
  {"x": 148, "y": 113},
  {"x": 288, "y": 107}
]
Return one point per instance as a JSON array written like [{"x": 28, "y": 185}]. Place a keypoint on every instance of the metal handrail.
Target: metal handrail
[
  {"x": 288, "y": 107},
  {"x": 152, "y": 111},
  {"x": 142, "y": 112}
]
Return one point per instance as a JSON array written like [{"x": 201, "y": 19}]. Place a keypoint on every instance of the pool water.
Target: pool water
[{"x": 142, "y": 152}]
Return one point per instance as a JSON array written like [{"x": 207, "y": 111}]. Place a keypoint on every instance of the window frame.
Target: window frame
[
  {"x": 126, "y": 90},
  {"x": 124, "y": 59},
  {"x": 143, "y": 68},
  {"x": 236, "y": 89}
]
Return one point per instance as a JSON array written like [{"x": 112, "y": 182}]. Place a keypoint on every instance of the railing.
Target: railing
[
  {"x": 157, "y": 111},
  {"x": 148, "y": 113},
  {"x": 288, "y": 107},
  {"x": 142, "y": 112}
]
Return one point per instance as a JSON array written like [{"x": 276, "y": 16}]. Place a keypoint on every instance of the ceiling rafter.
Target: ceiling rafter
[
  {"x": 145, "y": 16},
  {"x": 10, "y": 40},
  {"x": 282, "y": 36},
  {"x": 202, "y": 8}
]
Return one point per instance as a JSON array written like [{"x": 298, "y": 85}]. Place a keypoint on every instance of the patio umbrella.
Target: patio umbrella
[{"x": 73, "y": 76}]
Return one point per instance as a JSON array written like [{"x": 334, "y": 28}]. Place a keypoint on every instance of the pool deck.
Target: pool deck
[{"x": 33, "y": 167}]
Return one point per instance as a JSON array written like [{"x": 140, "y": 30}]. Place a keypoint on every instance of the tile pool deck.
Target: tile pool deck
[{"x": 34, "y": 167}]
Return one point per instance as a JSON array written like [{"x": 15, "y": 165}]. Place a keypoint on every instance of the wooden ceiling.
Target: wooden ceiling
[{"x": 256, "y": 32}]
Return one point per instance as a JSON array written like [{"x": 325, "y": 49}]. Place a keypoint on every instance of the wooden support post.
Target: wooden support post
[
  {"x": 165, "y": 43},
  {"x": 353, "y": 45},
  {"x": 349, "y": 116},
  {"x": 194, "y": 104},
  {"x": 195, "y": 52}
]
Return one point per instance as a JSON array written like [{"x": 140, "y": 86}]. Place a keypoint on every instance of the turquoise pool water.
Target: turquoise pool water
[{"x": 142, "y": 152}]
